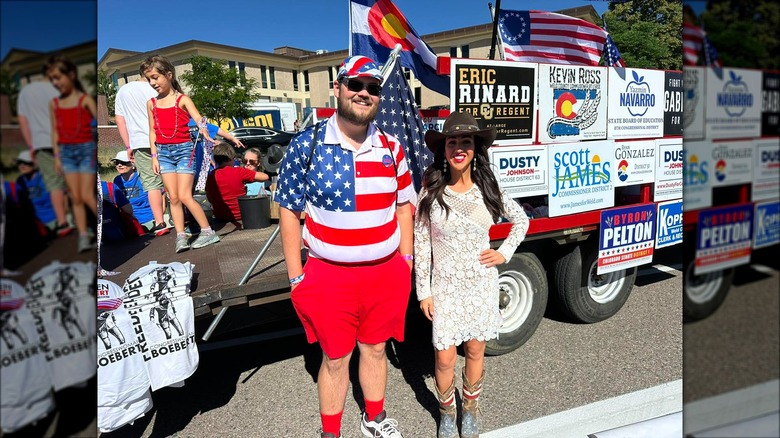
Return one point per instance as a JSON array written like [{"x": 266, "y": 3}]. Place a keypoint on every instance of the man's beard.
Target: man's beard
[{"x": 344, "y": 109}]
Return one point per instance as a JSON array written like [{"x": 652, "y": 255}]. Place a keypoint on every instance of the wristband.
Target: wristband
[
  {"x": 154, "y": 155},
  {"x": 56, "y": 155},
  {"x": 407, "y": 257},
  {"x": 296, "y": 280}
]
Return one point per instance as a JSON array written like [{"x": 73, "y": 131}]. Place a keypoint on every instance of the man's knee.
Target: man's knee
[
  {"x": 373, "y": 351},
  {"x": 336, "y": 366}
]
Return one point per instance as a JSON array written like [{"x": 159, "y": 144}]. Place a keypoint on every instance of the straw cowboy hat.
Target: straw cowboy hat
[{"x": 459, "y": 123}]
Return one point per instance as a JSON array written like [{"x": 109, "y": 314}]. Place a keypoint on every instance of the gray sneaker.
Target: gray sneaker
[
  {"x": 182, "y": 244},
  {"x": 85, "y": 243},
  {"x": 380, "y": 426},
  {"x": 205, "y": 239}
]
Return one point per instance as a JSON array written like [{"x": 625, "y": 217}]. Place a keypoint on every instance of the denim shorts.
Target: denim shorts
[
  {"x": 176, "y": 158},
  {"x": 79, "y": 157}
]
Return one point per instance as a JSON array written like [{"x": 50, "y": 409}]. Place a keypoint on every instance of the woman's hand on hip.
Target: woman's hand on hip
[
  {"x": 491, "y": 257},
  {"x": 426, "y": 306}
]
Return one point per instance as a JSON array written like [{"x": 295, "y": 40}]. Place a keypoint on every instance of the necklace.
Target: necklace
[{"x": 175, "y": 118}]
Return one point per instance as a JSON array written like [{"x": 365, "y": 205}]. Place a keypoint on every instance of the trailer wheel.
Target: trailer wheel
[
  {"x": 703, "y": 294},
  {"x": 582, "y": 294},
  {"x": 272, "y": 158},
  {"x": 522, "y": 300}
]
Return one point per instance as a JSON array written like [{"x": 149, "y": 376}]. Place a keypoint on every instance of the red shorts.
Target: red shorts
[{"x": 341, "y": 304}]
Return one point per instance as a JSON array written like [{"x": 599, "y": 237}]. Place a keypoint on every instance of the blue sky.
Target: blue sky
[
  {"x": 46, "y": 25},
  {"x": 265, "y": 25}
]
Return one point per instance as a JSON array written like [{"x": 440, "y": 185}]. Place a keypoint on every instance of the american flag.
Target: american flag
[
  {"x": 612, "y": 56},
  {"x": 398, "y": 115},
  {"x": 711, "y": 56},
  {"x": 536, "y": 36},
  {"x": 696, "y": 42},
  {"x": 349, "y": 198}
]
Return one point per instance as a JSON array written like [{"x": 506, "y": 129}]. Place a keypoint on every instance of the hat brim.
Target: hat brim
[{"x": 435, "y": 139}]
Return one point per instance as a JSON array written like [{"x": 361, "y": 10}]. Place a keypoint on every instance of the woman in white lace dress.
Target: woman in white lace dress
[{"x": 455, "y": 268}]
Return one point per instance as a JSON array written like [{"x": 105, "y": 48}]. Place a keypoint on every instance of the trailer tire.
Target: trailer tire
[
  {"x": 523, "y": 301},
  {"x": 272, "y": 158},
  {"x": 584, "y": 296},
  {"x": 703, "y": 294}
]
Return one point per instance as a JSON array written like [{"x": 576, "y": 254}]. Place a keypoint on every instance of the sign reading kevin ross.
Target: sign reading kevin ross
[
  {"x": 693, "y": 106},
  {"x": 733, "y": 103},
  {"x": 581, "y": 177},
  {"x": 669, "y": 169},
  {"x": 572, "y": 103},
  {"x": 626, "y": 237},
  {"x": 499, "y": 94},
  {"x": 723, "y": 238},
  {"x": 520, "y": 170},
  {"x": 636, "y": 103}
]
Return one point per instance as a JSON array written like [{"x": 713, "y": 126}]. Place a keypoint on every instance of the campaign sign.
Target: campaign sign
[
  {"x": 499, "y": 94},
  {"x": 733, "y": 103},
  {"x": 581, "y": 177},
  {"x": 626, "y": 237},
  {"x": 697, "y": 174},
  {"x": 733, "y": 161},
  {"x": 723, "y": 238},
  {"x": 520, "y": 170},
  {"x": 693, "y": 107},
  {"x": 572, "y": 103},
  {"x": 770, "y": 104},
  {"x": 434, "y": 123},
  {"x": 636, "y": 103},
  {"x": 670, "y": 223},
  {"x": 766, "y": 172},
  {"x": 673, "y": 103},
  {"x": 767, "y": 225},
  {"x": 635, "y": 162},
  {"x": 669, "y": 170}
]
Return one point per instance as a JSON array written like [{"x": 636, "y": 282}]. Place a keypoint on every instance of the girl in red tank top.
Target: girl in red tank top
[
  {"x": 173, "y": 152},
  {"x": 73, "y": 141}
]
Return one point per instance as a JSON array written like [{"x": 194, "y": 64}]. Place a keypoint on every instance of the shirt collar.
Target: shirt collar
[{"x": 333, "y": 136}]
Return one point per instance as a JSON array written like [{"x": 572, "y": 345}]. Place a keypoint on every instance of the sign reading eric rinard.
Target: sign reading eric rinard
[{"x": 499, "y": 94}]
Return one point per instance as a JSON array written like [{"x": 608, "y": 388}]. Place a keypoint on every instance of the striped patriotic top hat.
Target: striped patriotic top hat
[{"x": 359, "y": 67}]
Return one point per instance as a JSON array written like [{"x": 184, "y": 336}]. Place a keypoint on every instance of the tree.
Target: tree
[
  {"x": 105, "y": 87},
  {"x": 218, "y": 91},
  {"x": 648, "y": 33},
  {"x": 744, "y": 33},
  {"x": 9, "y": 87}
]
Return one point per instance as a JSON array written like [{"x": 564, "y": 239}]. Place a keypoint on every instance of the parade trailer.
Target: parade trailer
[{"x": 732, "y": 179}]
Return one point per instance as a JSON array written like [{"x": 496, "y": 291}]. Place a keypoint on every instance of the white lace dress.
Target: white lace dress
[{"x": 446, "y": 254}]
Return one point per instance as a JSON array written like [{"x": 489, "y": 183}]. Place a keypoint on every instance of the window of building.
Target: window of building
[
  {"x": 242, "y": 73},
  {"x": 115, "y": 80},
  {"x": 418, "y": 96},
  {"x": 453, "y": 52},
  {"x": 263, "y": 77},
  {"x": 306, "y": 80},
  {"x": 272, "y": 78},
  {"x": 232, "y": 65},
  {"x": 464, "y": 51},
  {"x": 295, "y": 80},
  {"x": 124, "y": 76},
  {"x": 330, "y": 75}
]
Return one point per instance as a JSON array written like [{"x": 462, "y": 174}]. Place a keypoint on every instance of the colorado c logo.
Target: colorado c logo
[
  {"x": 389, "y": 27},
  {"x": 564, "y": 106}
]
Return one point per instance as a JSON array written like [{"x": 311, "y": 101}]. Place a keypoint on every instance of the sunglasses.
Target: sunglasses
[
  {"x": 251, "y": 162},
  {"x": 357, "y": 86},
  {"x": 122, "y": 163},
  {"x": 26, "y": 163}
]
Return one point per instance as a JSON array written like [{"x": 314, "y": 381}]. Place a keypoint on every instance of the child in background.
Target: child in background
[
  {"x": 31, "y": 180},
  {"x": 129, "y": 182},
  {"x": 75, "y": 150},
  {"x": 173, "y": 152},
  {"x": 226, "y": 183}
]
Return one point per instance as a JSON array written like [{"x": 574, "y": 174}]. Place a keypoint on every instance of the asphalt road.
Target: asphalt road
[{"x": 268, "y": 389}]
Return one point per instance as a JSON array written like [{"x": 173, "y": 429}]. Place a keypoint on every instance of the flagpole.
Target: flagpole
[
  {"x": 391, "y": 60},
  {"x": 495, "y": 29}
]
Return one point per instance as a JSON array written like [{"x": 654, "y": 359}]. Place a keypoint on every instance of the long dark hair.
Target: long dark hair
[
  {"x": 66, "y": 67},
  {"x": 436, "y": 178},
  {"x": 164, "y": 66}
]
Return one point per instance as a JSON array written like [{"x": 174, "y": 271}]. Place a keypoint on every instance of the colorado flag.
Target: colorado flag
[{"x": 377, "y": 26}]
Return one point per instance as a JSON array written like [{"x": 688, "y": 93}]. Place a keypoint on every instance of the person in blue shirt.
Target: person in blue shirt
[
  {"x": 114, "y": 200},
  {"x": 31, "y": 180},
  {"x": 129, "y": 182}
]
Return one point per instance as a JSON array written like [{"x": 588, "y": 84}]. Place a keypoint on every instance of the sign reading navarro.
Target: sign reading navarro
[
  {"x": 723, "y": 238},
  {"x": 636, "y": 104},
  {"x": 499, "y": 94},
  {"x": 626, "y": 237}
]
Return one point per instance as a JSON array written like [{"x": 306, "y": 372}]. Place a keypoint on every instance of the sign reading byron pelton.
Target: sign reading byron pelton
[{"x": 499, "y": 94}]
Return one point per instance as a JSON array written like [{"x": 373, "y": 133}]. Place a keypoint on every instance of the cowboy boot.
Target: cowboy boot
[
  {"x": 469, "y": 421},
  {"x": 448, "y": 427}
]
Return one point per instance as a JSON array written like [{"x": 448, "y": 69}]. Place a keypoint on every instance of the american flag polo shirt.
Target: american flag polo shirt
[{"x": 349, "y": 196}]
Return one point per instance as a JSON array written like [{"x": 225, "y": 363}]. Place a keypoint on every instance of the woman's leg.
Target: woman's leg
[
  {"x": 445, "y": 392},
  {"x": 171, "y": 183},
  {"x": 473, "y": 376},
  {"x": 73, "y": 181},
  {"x": 88, "y": 185},
  {"x": 185, "y": 182}
]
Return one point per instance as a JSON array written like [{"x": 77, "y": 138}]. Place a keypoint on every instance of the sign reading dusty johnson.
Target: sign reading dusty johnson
[{"x": 499, "y": 95}]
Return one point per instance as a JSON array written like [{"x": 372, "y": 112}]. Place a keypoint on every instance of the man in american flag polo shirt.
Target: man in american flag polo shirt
[{"x": 352, "y": 181}]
